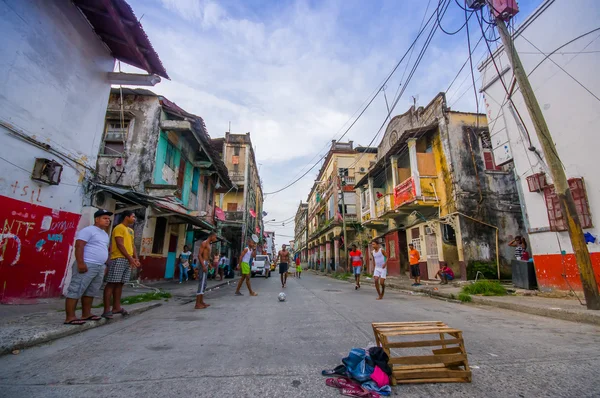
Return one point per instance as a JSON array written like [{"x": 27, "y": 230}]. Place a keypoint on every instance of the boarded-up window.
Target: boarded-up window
[
  {"x": 232, "y": 207},
  {"x": 556, "y": 218}
]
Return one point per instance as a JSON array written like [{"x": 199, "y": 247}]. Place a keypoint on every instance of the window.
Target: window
[
  {"x": 556, "y": 218},
  {"x": 232, "y": 207},
  {"x": 488, "y": 155},
  {"x": 211, "y": 195},
  {"x": 159, "y": 235},
  {"x": 170, "y": 156},
  {"x": 195, "y": 180},
  {"x": 114, "y": 137},
  {"x": 448, "y": 234}
]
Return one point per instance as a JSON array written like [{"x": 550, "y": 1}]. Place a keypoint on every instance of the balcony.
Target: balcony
[
  {"x": 237, "y": 177},
  {"x": 369, "y": 221},
  {"x": 234, "y": 216},
  {"x": 384, "y": 206},
  {"x": 405, "y": 194}
]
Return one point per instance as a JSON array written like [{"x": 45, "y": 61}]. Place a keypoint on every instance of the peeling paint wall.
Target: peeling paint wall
[
  {"x": 490, "y": 196},
  {"x": 143, "y": 113}
]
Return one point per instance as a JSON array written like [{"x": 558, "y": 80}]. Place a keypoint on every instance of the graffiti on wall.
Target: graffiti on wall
[
  {"x": 35, "y": 246},
  {"x": 146, "y": 246}
]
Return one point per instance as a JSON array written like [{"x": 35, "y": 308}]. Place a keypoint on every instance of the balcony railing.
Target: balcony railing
[
  {"x": 366, "y": 216},
  {"x": 234, "y": 215},
  {"x": 384, "y": 204}
]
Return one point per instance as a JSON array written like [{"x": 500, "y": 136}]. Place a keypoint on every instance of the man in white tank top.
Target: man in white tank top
[
  {"x": 379, "y": 257},
  {"x": 249, "y": 252}
]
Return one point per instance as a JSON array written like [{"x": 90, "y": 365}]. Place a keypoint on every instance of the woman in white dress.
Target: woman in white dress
[{"x": 380, "y": 259}]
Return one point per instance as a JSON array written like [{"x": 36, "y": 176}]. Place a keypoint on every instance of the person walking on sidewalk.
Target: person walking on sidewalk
[
  {"x": 298, "y": 266},
  {"x": 356, "y": 260},
  {"x": 204, "y": 263},
  {"x": 284, "y": 259},
  {"x": 222, "y": 265},
  {"x": 248, "y": 253},
  {"x": 413, "y": 258},
  {"x": 184, "y": 264},
  {"x": 91, "y": 253},
  {"x": 380, "y": 273},
  {"x": 123, "y": 257}
]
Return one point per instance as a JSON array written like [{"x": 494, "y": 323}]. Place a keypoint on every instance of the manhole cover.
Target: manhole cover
[{"x": 332, "y": 290}]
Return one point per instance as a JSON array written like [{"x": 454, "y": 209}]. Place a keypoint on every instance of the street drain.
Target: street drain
[{"x": 332, "y": 290}]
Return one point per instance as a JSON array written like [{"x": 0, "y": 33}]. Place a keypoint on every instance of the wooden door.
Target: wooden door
[
  {"x": 433, "y": 258},
  {"x": 180, "y": 177},
  {"x": 391, "y": 247},
  {"x": 171, "y": 258}
]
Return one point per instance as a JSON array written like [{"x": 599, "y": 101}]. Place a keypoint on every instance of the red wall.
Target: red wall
[
  {"x": 35, "y": 246},
  {"x": 393, "y": 263},
  {"x": 550, "y": 267},
  {"x": 152, "y": 268}
]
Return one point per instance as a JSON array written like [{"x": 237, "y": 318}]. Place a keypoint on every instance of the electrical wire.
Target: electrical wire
[
  {"x": 369, "y": 103},
  {"x": 440, "y": 22},
  {"x": 563, "y": 69}
]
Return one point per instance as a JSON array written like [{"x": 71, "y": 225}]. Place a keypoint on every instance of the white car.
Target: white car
[{"x": 261, "y": 266}]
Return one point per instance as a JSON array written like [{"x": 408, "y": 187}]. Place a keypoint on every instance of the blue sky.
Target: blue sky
[{"x": 292, "y": 73}]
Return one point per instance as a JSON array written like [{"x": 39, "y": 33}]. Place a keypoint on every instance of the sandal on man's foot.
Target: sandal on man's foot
[
  {"x": 107, "y": 315},
  {"x": 76, "y": 322},
  {"x": 123, "y": 312},
  {"x": 239, "y": 293},
  {"x": 254, "y": 294}
]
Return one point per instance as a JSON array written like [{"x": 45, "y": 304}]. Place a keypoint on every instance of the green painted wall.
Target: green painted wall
[{"x": 187, "y": 183}]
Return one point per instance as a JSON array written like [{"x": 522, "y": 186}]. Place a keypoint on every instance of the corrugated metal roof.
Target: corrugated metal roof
[{"x": 117, "y": 26}]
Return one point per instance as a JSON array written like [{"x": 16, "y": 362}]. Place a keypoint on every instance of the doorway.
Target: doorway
[
  {"x": 171, "y": 257},
  {"x": 393, "y": 261},
  {"x": 433, "y": 258}
]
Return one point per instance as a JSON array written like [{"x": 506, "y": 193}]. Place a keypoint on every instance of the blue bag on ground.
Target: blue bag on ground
[{"x": 357, "y": 366}]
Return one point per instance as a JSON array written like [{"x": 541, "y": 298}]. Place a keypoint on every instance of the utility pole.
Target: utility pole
[
  {"x": 342, "y": 184},
  {"x": 567, "y": 204}
]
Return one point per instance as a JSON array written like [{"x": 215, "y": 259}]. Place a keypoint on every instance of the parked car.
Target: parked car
[{"x": 261, "y": 266}]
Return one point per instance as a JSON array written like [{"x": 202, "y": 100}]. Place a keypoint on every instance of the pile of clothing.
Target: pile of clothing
[{"x": 363, "y": 373}]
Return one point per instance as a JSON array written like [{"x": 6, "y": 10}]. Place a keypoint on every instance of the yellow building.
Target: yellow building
[
  {"x": 435, "y": 184},
  {"x": 333, "y": 201}
]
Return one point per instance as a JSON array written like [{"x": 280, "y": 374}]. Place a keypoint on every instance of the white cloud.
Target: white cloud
[{"x": 292, "y": 73}]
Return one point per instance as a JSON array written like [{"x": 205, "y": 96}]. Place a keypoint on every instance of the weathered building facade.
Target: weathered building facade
[
  {"x": 300, "y": 231},
  {"x": 156, "y": 158},
  {"x": 564, "y": 83},
  {"x": 242, "y": 205},
  {"x": 333, "y": 199},
  {"x": 57, "y": 62},
  {"x": 435, "y": 184}
]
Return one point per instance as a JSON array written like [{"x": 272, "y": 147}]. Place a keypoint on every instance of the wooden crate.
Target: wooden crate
[{"x": 448, "y": 364}]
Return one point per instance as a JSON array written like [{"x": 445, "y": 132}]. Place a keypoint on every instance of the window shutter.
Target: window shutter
[
  {"x": 555, "y": 216},
  {"x": 577, "y": 187},
  {"x": 488, "y": 160}
]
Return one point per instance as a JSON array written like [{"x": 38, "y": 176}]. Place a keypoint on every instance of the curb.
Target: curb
[
  {"x": 66, "y": 330},
  {"x": 562, "y": 314}
]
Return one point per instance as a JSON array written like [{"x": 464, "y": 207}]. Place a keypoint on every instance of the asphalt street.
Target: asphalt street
[{"x": 259, "y": 347}]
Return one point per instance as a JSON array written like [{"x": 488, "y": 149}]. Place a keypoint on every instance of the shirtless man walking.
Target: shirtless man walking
[
  {"x": 284, "y": 257},
  {"x": 203, "y": 263}
]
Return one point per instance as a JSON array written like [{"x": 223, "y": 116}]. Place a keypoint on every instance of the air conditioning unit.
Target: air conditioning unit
[
  {"x": 46, "y": 170},
  {"x": 429, "y": 231}
]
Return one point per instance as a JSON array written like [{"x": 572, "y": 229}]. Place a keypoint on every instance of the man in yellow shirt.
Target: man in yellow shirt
[{"x": 123, "y": 256}]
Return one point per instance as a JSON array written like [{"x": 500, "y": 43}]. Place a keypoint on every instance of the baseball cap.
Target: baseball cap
[{"x": 102, "y": 212}]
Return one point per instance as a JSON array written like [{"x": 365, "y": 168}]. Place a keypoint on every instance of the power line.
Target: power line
[{"x": 370, "y": 102}]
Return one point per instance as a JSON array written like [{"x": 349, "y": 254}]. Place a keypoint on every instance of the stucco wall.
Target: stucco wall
[
  {"x": 53, "y": 87},
  {"x": 141, "y": 144}
]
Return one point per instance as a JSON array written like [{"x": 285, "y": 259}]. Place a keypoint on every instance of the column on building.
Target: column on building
[
  {"x": 371, "y": 198},
  {"x": 336, "y": 252},
  {"x": 414, "y": 165}
]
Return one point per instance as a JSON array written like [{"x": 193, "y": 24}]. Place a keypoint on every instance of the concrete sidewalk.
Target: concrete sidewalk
[
  {"x": 531, "y": 302},
  {"x": 28, "y": 325}
]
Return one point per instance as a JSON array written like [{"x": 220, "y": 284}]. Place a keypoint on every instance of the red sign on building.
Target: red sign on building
[
  {"x": 35, "y": 247},
  {"x": 405, "y": 192}
]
